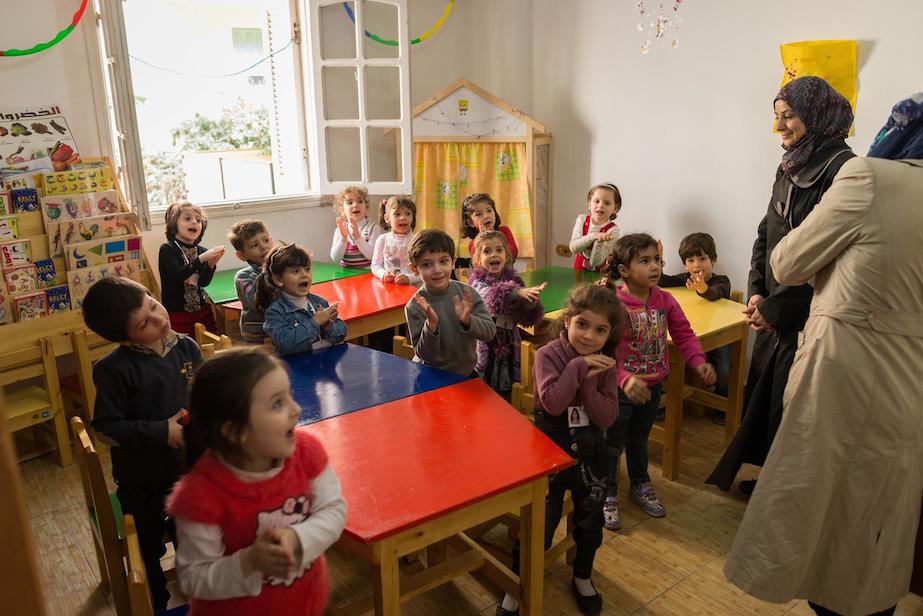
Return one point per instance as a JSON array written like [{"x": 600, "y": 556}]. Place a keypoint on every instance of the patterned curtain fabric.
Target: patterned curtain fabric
[{"x": 445, "y": 172}]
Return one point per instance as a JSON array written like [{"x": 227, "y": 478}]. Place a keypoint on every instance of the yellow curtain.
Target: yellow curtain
[{"x": 446, "y": 172}]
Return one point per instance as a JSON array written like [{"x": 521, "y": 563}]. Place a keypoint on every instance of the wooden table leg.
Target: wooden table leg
[
  {"x": 386, "y": 579},
  {"x": 673, "y": 423},
  {"x": 736, "y": 385},
  {"x": 531, "y": 550},
  {"x": 436, "y": 553}
]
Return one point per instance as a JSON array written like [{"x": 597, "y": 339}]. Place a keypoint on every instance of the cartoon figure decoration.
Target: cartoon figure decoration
[
  {"x": 507, "y": 165},
  {"x": 462, "y": 106},
  {"x": 447, "y": 194}
]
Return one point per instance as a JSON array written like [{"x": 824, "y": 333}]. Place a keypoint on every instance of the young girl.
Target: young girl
[
  {"x": 479, "y": 213},
  {"x": 355, "y": 235},
  {"x": 258, "y": 510},
  {"x": 576, "y": 393},
  {"x": 510, "y": 304},
  {"x": 644, "y": 364},
  {"x": 186, "y": 268},
  {"x": 296, "y": 320},
  {"x": 595, "y": 233},
  {"x": 391, "y": 261}
]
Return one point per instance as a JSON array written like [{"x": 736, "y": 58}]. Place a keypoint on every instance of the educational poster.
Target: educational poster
[
  {"x": 64, "y": 232},
  {"x": 15, "y": 253},
  {"x": 80, "y": 281},
  {"x": 78, "y": 181},
  {"x": 75, "y": 206},
  {"x": 33, "y": 138},
  {"x": 59, "y": 299},
  {"x": 102, "y": 251},
  {"x": 22, "y": 279},
  {"x": 834, "y": 61},
  {"x": 9, "y": 228},
  {"x": 31, "y": 306}
]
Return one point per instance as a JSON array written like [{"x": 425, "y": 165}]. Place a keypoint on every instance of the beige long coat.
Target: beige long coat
[{"x": 836, "y": 508}]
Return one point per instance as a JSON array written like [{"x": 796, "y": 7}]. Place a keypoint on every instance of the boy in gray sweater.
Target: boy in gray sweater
[{"x": 445, "y": 317}]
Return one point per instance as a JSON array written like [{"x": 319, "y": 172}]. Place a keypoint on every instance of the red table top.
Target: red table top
[
  {"x": 359, "y": 296},
  {"x": 412, "y": 460}
]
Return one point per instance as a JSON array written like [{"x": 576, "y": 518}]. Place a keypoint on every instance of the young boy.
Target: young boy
[
  {"x": 141, "y": 392},
  {"x": 699, "y": 255},
  {"x": 644, "y": 363},
  {"x": 445, "y": 317},
  {"x": 252, "y": 242}
]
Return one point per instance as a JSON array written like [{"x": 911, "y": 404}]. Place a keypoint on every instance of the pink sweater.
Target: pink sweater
[
  {"x": 643, "y": 348},
  {"x": 560, "y": 381}
]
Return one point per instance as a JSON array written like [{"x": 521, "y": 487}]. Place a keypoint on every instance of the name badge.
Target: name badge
[{"x": 577, "y": 417}]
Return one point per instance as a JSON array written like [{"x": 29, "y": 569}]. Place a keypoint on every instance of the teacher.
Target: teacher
[
  {"x": 835, "y": 513},
  {"x": 813, "y": 121}
]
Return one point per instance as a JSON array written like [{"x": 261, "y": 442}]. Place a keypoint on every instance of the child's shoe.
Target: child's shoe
[
  {"x": 643, "y": 495},
  {"x": 590, "y": 605},
  {"x": 611, "y": 513}
]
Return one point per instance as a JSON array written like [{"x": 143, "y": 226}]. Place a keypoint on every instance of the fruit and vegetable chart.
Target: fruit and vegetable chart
[{"x": 36, "y": 138}]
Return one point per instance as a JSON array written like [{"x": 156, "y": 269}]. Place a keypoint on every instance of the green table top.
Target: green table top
[
  {"x": 222, "y": 289},
  {"x": 560, "y": 281}
]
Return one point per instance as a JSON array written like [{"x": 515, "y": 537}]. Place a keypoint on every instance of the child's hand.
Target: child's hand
[
  {"x": 530, "y": 294},
  {"x": 354, "y": 228},
  {"x": 211, "y": 256},
  {"x": 602, "y": 236},
  {"x": 637, "y": 390},
  {"x": 269, "y": 554},
  {"x": 325, "y": 316},
  {"x": 463, "y": 307},
  {"x": 599, "y": 363},
  {"x": 388, "y": 277},
  {"x": 175, "y": 429},
  {"x": 341, "y": 225},
  {"x": 432, "y": 319},
  {"x": 707, "y": 373},
  {"x": 697, "y": 283},
  {"x": 401, "y": 279}
]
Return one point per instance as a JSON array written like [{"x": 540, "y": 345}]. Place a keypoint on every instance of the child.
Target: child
[
  {"x": 186, "y": 268},
  {"x": 258, "y": 510},
  {"x": 595, "y": 233},
  {"x": 444, "y": 317},
  {"x": 479, "y": 213},
  {"x": 576, "y": 394},
  {"x": 141, "y": 392},
  {"x": 390, "y": 262},
  {"x": 643, "y": 365},
  {"x": 355, "y": 236},
  {"x": 699, "y": 256},
  {"x": 296, "y": 320},
  {"x": 252, "y": 242},
  {"x": 509, "y": 302}
]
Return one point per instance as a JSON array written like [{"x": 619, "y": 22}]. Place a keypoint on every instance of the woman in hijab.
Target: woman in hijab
[
  {"x": 813, "y": 121},
  {"x": 836, "y": 510}
]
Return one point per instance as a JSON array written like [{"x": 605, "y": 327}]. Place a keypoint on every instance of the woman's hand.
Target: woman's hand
[
  {"x": 754, "y": 319},
  {"x": 637, "y": 390}
]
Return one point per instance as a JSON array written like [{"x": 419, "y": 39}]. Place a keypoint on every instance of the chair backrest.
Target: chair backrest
[
  {"x": 88, "y": 347},
  {"x": 400, "y": 347},
  {"x": 203, "y": 336},
  {"x": 211, "y": 349},
  {"x": 102, "y": 517},
  {"x": 737, "y": 296},
  {"x": 139, "y": 595},
  {"x": 521, "y": 397}
]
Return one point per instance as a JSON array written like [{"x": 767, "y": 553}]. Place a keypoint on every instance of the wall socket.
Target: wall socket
[{"x": 563, "y": 250}]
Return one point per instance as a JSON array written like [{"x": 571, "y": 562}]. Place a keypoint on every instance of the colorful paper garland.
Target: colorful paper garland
[
  {"x": 60, "y": 36},
  {"x": 445, "y": 14}
]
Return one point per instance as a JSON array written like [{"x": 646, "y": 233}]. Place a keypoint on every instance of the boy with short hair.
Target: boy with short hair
[
  {"x": 445, "y": 317},
  {"x": 141, "y": 391},
  {"x": 252, "y": 242}
]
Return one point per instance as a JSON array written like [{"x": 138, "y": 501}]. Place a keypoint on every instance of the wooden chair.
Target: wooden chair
[
  {"x": 401, "y": 347},
  {"x": 78, "y": 390},
  {"x": 203, "y": 336},
  {"x": 211, "y": 349},
  {"x": 139, "y": 595},
  {"x": 521, "y": 397},
  {"x": 34, "y": 406}
]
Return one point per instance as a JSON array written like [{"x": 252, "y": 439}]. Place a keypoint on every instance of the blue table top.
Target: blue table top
[{"x": 346, "y": 378}]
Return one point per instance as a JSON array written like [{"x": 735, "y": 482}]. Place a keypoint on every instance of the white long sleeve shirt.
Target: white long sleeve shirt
[{"x": 392, "y": 255}]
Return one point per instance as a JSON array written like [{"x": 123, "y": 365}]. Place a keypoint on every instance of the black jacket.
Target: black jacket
[{"x": 174, "y": 270}]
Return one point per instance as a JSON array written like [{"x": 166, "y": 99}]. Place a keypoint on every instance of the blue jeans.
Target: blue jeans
[{"x": 630, "y": 433}]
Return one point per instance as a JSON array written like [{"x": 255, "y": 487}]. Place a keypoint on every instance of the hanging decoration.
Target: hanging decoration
[
  {"x": 662, "y": 27},
  {"x": 416, "y": 41},
  {"x": 60, "y": 36}
]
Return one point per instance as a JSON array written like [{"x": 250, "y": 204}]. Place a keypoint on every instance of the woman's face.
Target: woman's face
[{"x": 788, "y": 124}]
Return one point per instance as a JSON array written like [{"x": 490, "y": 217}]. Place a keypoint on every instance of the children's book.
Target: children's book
[
  {"x": 102, "y": 251},
  {"x": 78, "y": 181},
  {"x": 47, "y": 273},
  {"x": 6, "y": 203},
  {"x": 59, "y": 299},
  {"x": 79, "y": 281},
  {"x": 64, "y": 232},
  {"x": 13, "y": 180},
  {"x": 31, "y": 306},
  {"x": 9, "y": 228},
  {"x": 24, "y": 199},
  {"x": 6, "y": 307},
  {"x": 21, "y": 279},
  {"x": 60, "y": 208},
  {"x": 15, "y": 253}
]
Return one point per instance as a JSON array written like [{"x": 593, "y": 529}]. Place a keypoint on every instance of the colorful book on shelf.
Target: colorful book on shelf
[
  {"x": 78, "y": 181},
  {"x": 102, "y": 251},
  {"x": 16, "y": 180},
  {"x": 24, "y": 200},
  {"x": 15, "y": 253},
  {"x": 75, "y": 206},
  {"x": 79, "y": 281},
  {"x": 9, "y": 228},
  {"x": 64, "y": 232},
  {"x": 59, "y": 299},
  {"x": 6, "y": 306},
  {"x": 31, "y": 306},
  {"x": 47, "y": 273},
  {"x": 6, "y": 203},
  {"x": 21, "y": 279}
]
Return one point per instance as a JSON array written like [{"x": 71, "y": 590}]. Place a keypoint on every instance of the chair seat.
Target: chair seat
[
  {"x": 71, "y": 383},
  {"x": 27, "y": 407}
]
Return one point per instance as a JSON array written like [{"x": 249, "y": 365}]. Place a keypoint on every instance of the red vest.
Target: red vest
[
  {"x": 211, "y": 494},
  {"x": 581, "y": 262}
]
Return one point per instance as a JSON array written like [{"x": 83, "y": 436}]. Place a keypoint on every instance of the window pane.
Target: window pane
[
  {"x": 337, "y": 32},
  {"x": 384, "y": 154},
  {"x": 381, "y": 24},
  {"x": 383, "y": 92},
  {"x": 341, "y": 93},
  {"x": 217, "y": 116},
  {"x": 343, "y": 163}
]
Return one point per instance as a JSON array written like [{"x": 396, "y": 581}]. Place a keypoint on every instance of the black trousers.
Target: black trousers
[
  {"x": 146, "y": 505},
  {"x": 822, "y": 611}
]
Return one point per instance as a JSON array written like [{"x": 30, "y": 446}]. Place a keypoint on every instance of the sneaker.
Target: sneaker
[
  {"x": 747, "y": 486},
  {"x": 611, "y": 513},
  {"x": 589, "y": 605},
  {"x": 644, "y": 496}
]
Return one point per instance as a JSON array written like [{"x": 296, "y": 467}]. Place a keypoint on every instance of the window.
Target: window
[{"x": 214, "y": 101}]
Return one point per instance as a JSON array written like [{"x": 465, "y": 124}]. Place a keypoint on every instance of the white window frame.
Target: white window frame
[{"x": 118, "y": 124}]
